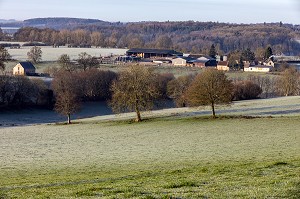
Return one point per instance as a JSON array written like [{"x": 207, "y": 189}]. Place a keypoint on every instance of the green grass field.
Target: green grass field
[{"x": 158, "y": 158}]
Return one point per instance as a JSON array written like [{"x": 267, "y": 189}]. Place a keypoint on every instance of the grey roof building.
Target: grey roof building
[
  {"x": 24, "y": 68},
  {"x": 148, "y": 53}
]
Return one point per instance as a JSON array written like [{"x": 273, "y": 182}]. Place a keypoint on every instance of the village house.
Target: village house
[
  {"x": 223, "y": 65},
  {"x": 24, "y": 68},
  {"x": 204, "y": 63}
]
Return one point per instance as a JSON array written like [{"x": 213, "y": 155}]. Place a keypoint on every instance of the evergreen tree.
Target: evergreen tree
[
  {"x": 212, "y": 51},
  {"x": 268, "y": 53},
  {"x": 248, "y": 55}
]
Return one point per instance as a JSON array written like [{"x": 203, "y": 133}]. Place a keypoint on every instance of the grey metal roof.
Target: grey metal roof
[
  {"x": 154, "y": 51},
  {"x": 27, "y": 65}
]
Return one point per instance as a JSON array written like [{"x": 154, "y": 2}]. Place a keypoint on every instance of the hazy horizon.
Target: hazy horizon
[{"x": 229, "y": 11}]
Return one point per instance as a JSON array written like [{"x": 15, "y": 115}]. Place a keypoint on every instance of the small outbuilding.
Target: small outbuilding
[
  {"x": 181, "y": 61},
  {"x": 24, "y": 68}
]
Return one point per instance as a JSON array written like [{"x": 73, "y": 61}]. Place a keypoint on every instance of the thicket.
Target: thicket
[{"x": 19, "y": 91}]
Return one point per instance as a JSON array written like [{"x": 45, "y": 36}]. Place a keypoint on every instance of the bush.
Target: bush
[{"x": 245, "y": 90}]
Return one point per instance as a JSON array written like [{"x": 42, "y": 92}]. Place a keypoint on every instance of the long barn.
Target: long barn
[{"x": 148, "y": 53}]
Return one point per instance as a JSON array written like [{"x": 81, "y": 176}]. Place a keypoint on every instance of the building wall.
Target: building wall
[
  {"x": 257, "y": 69},
  {"x": 179, "y": 62},
  {"x": 18, "y": 70},
  {"x": 199, "y": 64},
  {"x": 221, "y": 67},
  {"x": 270, "y": 63}
]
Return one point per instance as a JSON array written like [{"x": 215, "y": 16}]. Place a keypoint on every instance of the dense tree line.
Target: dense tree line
[
  {"x": 189, "y": 36},
  {"x": 19, "y": 91}
]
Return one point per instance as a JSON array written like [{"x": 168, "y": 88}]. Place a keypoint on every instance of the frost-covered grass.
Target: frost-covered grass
[
  {"x": 52, "y": 54},
  {"x": 274, "y": 107},
  {"x": 158, "y": 158}
]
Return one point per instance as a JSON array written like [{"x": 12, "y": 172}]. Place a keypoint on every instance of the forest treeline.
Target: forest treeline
[{"x": 188, "y": 36}]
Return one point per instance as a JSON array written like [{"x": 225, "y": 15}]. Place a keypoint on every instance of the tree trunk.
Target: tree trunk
[
  {"x": 213, "y": 110},
  {"x": 138, "y": 114},
  {"x": 69, "y": 118}
]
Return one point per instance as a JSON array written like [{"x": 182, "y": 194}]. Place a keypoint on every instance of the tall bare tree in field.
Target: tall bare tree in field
[
  {"x": 35, "y": 54},
  {"x": 65, "y": 62},
  {"x": 177, "y": 89},
  {"x": 86, "y": 61},
  {"x": 210, "y": 88},
  {"x": 66, "y": 93},
  {"x": 134, "y": 90}
]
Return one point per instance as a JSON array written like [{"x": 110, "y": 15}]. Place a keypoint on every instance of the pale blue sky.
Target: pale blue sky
[{"x": 233, "y": 11}]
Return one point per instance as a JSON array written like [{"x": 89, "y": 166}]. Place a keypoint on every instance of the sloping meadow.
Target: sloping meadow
[{"x": 182, "y": 157}]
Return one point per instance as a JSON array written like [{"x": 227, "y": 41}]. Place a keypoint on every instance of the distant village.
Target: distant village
[
  {"x": 173, "y": 58},
  {"x": 164, "y": 57}
]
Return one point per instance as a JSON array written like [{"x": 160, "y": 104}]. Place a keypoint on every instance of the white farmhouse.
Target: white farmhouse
[{"x": 256, "y": 68}]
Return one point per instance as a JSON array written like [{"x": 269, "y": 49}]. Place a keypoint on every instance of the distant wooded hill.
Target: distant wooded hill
[
  {"x": 185, "y": 36},
  {"x": 53, "y": 22}
]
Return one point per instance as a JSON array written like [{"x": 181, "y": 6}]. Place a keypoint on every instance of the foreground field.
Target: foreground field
[{"x": 159, "y": 158}]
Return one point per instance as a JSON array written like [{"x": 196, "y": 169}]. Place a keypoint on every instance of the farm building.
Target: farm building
[
  {"x": 181, "y": 61},
  {"x": 258, "y": 69},
  {"x": 149, "y": 53},
  {"x": 223, "y": 65},
  {"x": 24, "y": 68},
  {"x": 203, "y": 63}
]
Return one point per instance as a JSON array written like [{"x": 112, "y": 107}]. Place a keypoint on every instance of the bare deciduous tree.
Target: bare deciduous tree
[
  {"x": 210, "y": 88},
  {"x": 65, "y": 62},
  {"x": 177, "y": 89},
  {"x": 97, "y": 39},
  {"x": 134, "y": 90},
  {"x": 4, "y": 57},
  {"x": 66, "y": 92},
  {"x": 86, "y": 61},
  {"x": 35, "y": 54},
  {"x": 164, "y": 42}
]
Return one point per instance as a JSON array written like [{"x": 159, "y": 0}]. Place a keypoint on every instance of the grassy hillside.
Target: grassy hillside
[{"x": 158, "y": 158}]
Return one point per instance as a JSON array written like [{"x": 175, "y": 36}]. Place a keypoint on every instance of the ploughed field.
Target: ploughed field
[{"x": 185, "y": 155}]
